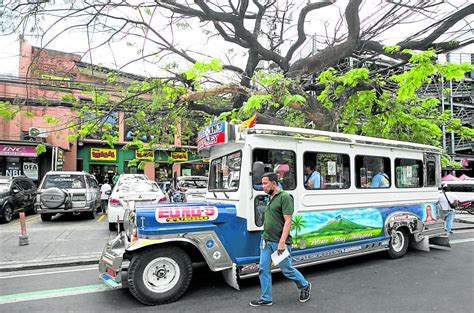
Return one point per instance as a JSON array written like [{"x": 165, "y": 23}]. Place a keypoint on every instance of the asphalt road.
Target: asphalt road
[{"x": 438, "y": 281}]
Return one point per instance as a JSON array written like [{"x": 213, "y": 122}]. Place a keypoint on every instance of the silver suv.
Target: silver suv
[{"x": 67, "y": 192}]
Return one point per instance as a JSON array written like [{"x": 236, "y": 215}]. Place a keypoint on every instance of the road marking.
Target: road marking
[
  {"x": 28, "y": 219},
  {"x": 54, "y": 272},
  {"x": 53, "y": 293},
  {"x": 461, "y": 240},
  {"x": 100, "y": 218}
]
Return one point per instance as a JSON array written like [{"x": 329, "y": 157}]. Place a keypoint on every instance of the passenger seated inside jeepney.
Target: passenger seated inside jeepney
[
  {"x": 380, "y": 180},
  {"x": 312, "y": 178}
]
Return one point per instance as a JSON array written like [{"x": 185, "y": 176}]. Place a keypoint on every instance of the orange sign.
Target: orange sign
[{"x": 101, "y": 154}]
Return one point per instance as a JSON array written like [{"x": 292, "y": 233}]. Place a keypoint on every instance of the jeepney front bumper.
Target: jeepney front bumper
[{"x": 111, "y": 261}]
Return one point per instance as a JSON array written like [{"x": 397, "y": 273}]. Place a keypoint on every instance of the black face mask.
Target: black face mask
[{"x": 270, "y": 192}]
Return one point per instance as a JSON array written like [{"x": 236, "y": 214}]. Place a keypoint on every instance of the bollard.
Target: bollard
[{"x": 23, "y": 236}]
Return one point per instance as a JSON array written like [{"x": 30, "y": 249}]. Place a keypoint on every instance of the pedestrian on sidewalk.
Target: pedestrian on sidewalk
[
  {"x": 104, "y": 194},
  {"x": 276, "y": 236},
  {"x": 448, "y": 201}
]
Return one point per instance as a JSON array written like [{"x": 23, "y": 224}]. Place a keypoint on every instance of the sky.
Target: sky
[{"x": 121, "y": 51}]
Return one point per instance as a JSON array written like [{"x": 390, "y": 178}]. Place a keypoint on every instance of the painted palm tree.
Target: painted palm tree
[{"x": 297, "y": 224}]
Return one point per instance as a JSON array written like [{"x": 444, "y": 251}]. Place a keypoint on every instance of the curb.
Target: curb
[
  {"x": 36, "y": 264},
  {"x": 457, "y": 220}
]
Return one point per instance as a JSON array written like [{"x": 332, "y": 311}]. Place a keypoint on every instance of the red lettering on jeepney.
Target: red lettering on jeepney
[
  {"x": 210, "y": 211},
  {"x": 163, "y": 212},
  {"x": 175, "y": 212},
  {"x": 186, "y": 212}
]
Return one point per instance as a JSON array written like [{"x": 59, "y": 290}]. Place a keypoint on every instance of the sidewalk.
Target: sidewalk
[
  {"x": 74, "y": 245},
  {"x": 52, "y": 246}
]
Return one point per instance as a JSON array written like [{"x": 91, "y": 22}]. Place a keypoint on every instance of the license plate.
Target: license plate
[{"x": 109, "y": 281}]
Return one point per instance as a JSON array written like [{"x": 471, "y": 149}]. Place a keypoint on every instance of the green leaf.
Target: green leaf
[{"x": 40, "y": 149}]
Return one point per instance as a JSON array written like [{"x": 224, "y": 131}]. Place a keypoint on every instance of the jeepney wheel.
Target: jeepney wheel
[
  {"x": 160, "y": 275},
  {"x": 398, "y": 244}
]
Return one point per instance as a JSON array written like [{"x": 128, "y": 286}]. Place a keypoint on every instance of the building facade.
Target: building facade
[{"x": 45, "y": 77}]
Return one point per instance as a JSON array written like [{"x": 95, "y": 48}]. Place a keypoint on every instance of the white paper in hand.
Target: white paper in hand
[{"x": 277, "y": 258}]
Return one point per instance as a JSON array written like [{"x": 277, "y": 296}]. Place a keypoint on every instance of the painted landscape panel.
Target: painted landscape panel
[{"x": 314, "y": 229}]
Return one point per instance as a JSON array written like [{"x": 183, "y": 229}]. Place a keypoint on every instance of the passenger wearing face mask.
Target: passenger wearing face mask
[{"x": 276, "y": 236}]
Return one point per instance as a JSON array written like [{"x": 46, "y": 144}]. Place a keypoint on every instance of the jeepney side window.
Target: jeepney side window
[
  {"x": 430, "y": 174},
  {"x": 408, "y": 173},
  {"x": 224, "y": 172},
  {"x": 326, "y": 170},
  {"x": 372, "y": 172},
  {"x": 281, "y": 162}
]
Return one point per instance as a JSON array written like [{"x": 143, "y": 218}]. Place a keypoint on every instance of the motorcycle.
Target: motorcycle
[{"x": 466, "y": 206}]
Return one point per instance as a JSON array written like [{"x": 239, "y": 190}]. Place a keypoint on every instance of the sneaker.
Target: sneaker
[
  {"x": 260, "y": 302},
  {"x": 305, "y": 293}
]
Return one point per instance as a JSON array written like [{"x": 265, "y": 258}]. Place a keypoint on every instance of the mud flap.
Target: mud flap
[
  {"x": 423, "y": 245},
  {"x": 230, "y": 277},
  {"x": 440, "y": 241}
]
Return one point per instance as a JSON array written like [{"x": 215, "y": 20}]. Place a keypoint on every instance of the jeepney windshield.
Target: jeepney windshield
[{"x": 224, "y": 174}]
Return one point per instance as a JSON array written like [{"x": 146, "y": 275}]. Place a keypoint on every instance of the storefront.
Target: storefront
[
  {"x": 104, "y": 162},
  {"x": 17, "y": 160}
]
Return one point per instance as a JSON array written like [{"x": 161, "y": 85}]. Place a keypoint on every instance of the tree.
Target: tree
[
  {"x": 297, "y": 224},
  {"x": 308, "y": 90}
]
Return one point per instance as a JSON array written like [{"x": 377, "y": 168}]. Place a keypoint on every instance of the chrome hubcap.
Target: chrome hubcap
[
  {"x": 398, "y": 241},
  {"x": 161, "y": 274}
]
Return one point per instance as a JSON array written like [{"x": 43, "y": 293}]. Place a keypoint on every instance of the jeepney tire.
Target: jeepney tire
[
  {"x": 139, "y": 263},
  {"x": 7, "y": 213},
  {"x": 46, "y": 217},
  {"x": 399, "y": 247}
]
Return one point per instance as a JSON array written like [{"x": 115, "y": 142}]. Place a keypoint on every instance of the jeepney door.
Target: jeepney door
[{"x": 270, "y": 159}]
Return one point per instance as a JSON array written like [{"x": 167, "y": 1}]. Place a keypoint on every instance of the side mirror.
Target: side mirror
[
  {"x": 108, "y": 192},
  {"x": 258, "y": 169}
]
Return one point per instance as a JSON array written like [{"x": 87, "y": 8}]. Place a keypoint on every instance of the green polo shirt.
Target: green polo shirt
[{"x": 281, "y": 204}]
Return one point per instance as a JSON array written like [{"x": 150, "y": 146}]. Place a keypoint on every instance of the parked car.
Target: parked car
[
  {"x": 16, "y": 194},
  {"x": 143, "y": 191},
  {"x": 193, "y": 188},
  {"x": 67, "y": 192},
  {"x": 125, "y": 176}
]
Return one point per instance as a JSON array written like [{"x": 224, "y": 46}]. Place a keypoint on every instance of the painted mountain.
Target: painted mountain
[{"x": 338, "y": 230}]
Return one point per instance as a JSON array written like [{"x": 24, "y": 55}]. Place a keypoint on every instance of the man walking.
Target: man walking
[
  {"x": 104, "y": 195},
  {"x": 276, "y": 236},
  {"x": 448, "y": 202}
]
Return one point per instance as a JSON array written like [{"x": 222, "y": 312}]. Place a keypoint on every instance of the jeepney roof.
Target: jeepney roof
[{"x": 263, "y": 129}]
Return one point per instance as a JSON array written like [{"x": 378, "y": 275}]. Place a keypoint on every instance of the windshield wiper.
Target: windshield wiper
[
  {"x": 225, "y": 195},
  {"x": 214, "y": 193}
]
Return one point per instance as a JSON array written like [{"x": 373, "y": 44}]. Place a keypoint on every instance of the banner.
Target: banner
[
  {"x": 148, "y": 155},
  {"x": 30, "y": 170},
  {"x": 24, "y": 151},
  {"x": 179, "y": 156},
  {"x": 101, "y": 154}
]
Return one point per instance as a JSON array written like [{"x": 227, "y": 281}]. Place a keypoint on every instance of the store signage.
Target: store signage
[
  {"x": 59, "y": 159},
  {"x": 13, "y": 169},
  {"x": 25, "y": 151},
  {"x": 30, "y": 170},
  {"x": 145, "y": 155},
  {"x": 101, "y": 154},
  {"x": 212, "y": 135},
  {"x": 179, "y": 156}
]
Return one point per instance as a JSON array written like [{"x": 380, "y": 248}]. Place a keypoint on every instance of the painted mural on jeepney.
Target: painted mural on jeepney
[
  {"x": 428, "y": 213},
  {"x": 314, "y": 229},
  {"x": 323, "y": 228}
]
